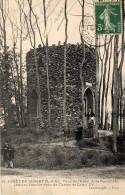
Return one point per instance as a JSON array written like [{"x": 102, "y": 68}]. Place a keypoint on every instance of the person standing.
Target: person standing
[
  {"x": 91, "y": 125},
  {"x": 8, "y": 154},
  {"x": 79, "y": 132}
]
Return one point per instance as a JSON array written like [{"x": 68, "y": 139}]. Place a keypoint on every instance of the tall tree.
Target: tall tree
[
  {"x": 21, "y": 64},
  {"x": 33, "y": 44},
  {"x": 107, "y": 86},
  {"x": 97, "y": 91},
  {"x": 101, "y": 59},
  {"x": 5, "y": 66},
  {"x": 47, "y": 65},
  {"x": 104, "y": 82},
  {"x": 81, "y": 67},
  {"x": 115, "y": 95},
  {"x": 16, "y": 66},
  {"x": 65, "y": 51}
]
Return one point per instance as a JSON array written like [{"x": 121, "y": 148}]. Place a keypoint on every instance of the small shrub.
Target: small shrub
[
  {"x": 81, "y": 144},
  {"x": 88, "y": 142},
  {"x": 58, "y": 156},
  {"x": 120, "y": 159},
  {"x": 91, "y": 142},
  {"x": 84, "y": 160},
  {"x": 89, "y": 132},
  {"x": 109, "y": 138},
  {"x": 37, "y": 152},
  {"x": 109, "y": 146},
  {"x": 90, "y": 154},
  {"x": 105, "y": 159},
  {"x": 104, "y": 137},
  {"x": 90, "y": 158},
  {"x": 22, "y": 151}
]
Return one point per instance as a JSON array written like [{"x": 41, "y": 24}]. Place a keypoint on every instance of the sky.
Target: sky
[{"x": 55, "y": 22}]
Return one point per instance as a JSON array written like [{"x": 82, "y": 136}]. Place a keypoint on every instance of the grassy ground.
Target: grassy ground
[{"x": 32, "y": 150}]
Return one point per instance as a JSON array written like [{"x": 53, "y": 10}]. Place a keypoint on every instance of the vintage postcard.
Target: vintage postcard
[{"x": 62, "y": 95}]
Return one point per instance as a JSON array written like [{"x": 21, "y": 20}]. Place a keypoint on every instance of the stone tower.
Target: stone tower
[{"x": 56, "y": 60}]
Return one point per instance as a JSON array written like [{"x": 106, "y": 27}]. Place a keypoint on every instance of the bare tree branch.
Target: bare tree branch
[{"x": 36, "y": 22}]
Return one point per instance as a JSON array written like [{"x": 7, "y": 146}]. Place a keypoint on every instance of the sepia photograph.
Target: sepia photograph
[{"x": 62, "y": 97}]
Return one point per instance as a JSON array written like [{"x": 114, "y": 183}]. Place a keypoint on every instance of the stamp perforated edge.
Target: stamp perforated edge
[{"x": 121, "y": 14}]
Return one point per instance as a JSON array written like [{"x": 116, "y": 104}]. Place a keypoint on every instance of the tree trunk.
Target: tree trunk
[
  {"x": 106, "y": 92},
  {"x": 18, "y": 80},
  {"x": 115, "y": 95},
  {"x": 97, "y": 92},
  {"x": 100, "y": 84},
  {"x": 65, "y": 49},
  {"x": 21, "y": 81},
  {"x": 101, "y": 59},
  {"x": 39, "y": 113},
  {"x": 15, "y": 93},
  {"x": 104, "y": 85},
  {"x": 47, "y": 66},
  {"x": 81, "y": 70},
  {"x": 112, "y": 99}
]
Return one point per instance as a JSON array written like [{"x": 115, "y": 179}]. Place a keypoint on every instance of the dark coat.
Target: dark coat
[
  {"x": 8, "y": 152},
  {"x": 78, "y": 136}
]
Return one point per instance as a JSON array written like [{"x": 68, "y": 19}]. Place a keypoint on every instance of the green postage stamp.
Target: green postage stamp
[{"x": 108, "y": 18}]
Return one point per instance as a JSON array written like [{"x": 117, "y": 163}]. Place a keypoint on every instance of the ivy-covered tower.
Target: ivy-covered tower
[{"x": 56, "y": 61}]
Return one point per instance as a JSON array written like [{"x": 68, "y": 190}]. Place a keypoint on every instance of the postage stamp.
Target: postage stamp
[{"x": 108, "y": 18}]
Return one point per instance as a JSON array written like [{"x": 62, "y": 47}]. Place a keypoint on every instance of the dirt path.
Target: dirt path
[{"x": 117, "y": 172}]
